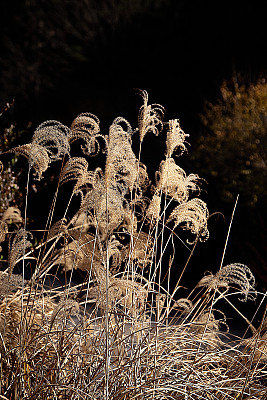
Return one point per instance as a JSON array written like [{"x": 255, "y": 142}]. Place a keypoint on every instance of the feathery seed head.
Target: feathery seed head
[
  {"x": 86, "y": 127},
  {"x": 37, "y": 156},
  {"x": 49, "y": 143},
  {"x": 17, "y": 248},
  {"x": 76, "y": 168},
  {"x": 175, "y": 138},
  {"x": 192, "y": 215},
  {"x": 150, "y": 117},
  {"x": 9, "y": 283},
  {"x": 121, "y": 163},
  {"x": 232, "y": 275},
  {"x": 172, "y": 180},
  {"x": 153, "y": 210},
  {"x": 53, "y": 136}
]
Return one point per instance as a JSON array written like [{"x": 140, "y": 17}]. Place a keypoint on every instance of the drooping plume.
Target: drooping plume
[
  {"x": 53, "y": 136},
  {"x": 192, "y": 215},
  {"x": 49, "y": 143},
  {"x": 104, "y": 207},
  {"x": 12, "y": 215},
  {"x": 86, "y": 128},
  {"x": 172, "y": 180},
  {"x": 233, "y": 275},
  {"x": 76, "y": 168}
]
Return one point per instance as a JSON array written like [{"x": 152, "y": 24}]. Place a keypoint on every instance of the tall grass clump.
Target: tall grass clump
[{"x": 126, "y": 330}]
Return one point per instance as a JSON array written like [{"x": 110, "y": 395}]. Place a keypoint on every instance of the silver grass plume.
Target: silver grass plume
[
  {"x": 17, "y": 248},
  {"x": 105, "y": 207},
  {"x": 59, "y": 228},
  {"x": 140, "y": 251},
  {"x": 53, "y": 136},
  {"x": 232, "y": 275},
  {"x": 175, "y": 138},
  {"x": 9, "y": 283},
  {"x": 126, "y": 297},
  {"x": 173, "y": 181},
  {"x": 121, "y": 162},
  {"x": 192, "y": 216},
  {"x": 81, "y": 253},
  {"x": 76, "y": 168},
  {"x": 129, "y": 294},
  {"x": 184, "y": 305},
  {"x": 153, "y": 210},
  {"x": 49, "y": 143},
  {"x": 86, "y": 128},
  {"x": 37, "y": 156},
  {"x": 150, "y": 117}
]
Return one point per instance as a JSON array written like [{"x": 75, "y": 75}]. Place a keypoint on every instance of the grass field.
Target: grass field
[{"x": 128, "y": 329}]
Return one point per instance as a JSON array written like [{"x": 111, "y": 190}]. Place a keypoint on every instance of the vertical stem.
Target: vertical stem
[
  {"x": 22, "y": 341},
  {"x": 107, "y": 303},
  {"x": 229, "y": 229}
]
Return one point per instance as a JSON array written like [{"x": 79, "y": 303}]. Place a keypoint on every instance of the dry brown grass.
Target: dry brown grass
[{"x": 120, "y": 334}]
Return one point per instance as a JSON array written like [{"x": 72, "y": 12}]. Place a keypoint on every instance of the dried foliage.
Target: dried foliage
[{"x": 120, "y": 334}]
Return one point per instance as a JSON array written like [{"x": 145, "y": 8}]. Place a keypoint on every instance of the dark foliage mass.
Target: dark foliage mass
[{"x": 58, "y": 55}]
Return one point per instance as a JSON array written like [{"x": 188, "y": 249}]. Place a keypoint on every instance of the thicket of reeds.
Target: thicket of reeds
[{"x": 125, "y": 331}]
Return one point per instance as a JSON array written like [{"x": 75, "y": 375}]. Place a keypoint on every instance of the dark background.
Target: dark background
[{"x": 60, "y": 58}]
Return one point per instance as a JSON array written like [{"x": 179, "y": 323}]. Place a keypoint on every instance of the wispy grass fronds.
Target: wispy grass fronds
[{"x": 121, "y": 332}]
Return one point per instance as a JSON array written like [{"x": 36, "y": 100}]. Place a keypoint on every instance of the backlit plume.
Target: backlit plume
[
  {"x": 150, "y": 117},
  {"x": 175, "y": 138}
]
